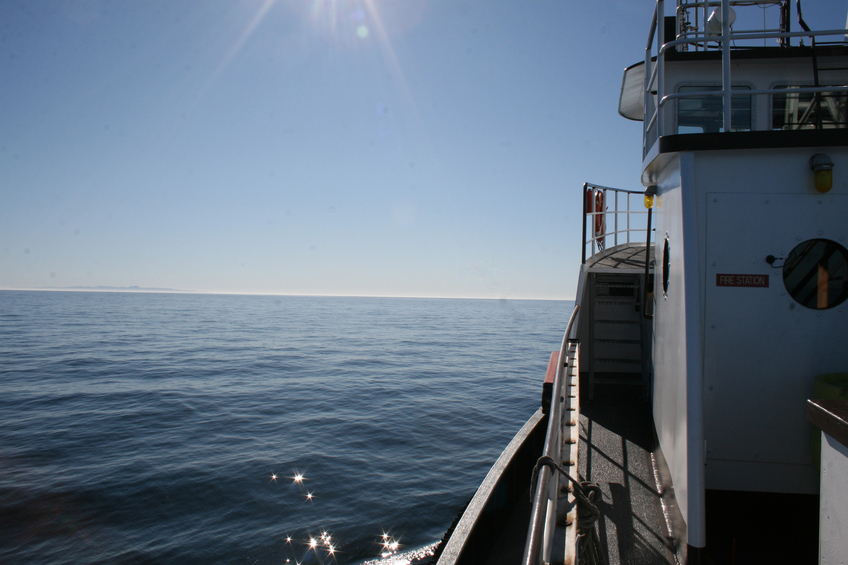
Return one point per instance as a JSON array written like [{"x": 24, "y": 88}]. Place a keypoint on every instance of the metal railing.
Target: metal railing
[
  {"x": 655, "y": 96},
  {"x": 611, "y": 215},
  {"x": 602, "y": 206},
  {"x": 546, "y": 489},
  {"x": 694, "y": 20}
]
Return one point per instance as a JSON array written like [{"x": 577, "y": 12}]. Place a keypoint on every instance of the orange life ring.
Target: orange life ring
[{"x": 598, "y": 209}]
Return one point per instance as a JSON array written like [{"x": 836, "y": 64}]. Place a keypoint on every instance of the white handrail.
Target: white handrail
[
  {"x": 541, "y": 527},
  {"x": 595, "y": 242},
  {"x": 726, "y": 88}
]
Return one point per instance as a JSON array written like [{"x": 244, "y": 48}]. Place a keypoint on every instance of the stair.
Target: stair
[{"x": 617, "y": 352}]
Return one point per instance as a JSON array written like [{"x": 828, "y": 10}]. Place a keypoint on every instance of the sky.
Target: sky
[{"x": 313, "y": 147}]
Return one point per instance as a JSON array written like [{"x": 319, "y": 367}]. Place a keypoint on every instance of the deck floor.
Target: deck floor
[
  {"x": 615, "y": 452},
  {"x": 628, "y": 256}
]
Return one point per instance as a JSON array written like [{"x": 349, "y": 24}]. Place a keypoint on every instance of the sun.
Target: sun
[{"x": 346, "y": 23}]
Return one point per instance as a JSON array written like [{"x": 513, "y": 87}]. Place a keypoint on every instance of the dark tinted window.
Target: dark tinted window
[
  {"x": 703, "y": 114},
  {"x": 816, "y": 273},
  {"x": 799, "y": 110}
]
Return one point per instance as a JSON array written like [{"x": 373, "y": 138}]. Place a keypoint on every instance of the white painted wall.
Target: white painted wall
[
  {"x": 677, "y": 355},
  {"x": 733, "y": 367},
  {"x": 762, "y": 350},
  {"x": 833, "y": 515}
]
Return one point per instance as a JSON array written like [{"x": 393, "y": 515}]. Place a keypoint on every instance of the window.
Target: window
[
  {"x": 703, "y": 114},
  {"x": 816, "y": 273},
  {"x": 801, "y": 110},
  {"x": 666, "y": 266}
]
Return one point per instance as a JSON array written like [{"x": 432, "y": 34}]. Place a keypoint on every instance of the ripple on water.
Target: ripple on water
[{"x": 168, "y": 428}]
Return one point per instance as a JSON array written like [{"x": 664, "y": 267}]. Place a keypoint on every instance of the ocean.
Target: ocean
[{"x": 187, "y": 428}]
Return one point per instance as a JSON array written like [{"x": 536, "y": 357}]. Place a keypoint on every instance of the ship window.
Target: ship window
[
  {"x": 703, "y": 114},
  {"x": 816, "y": 273},
  {"x": 665, "y": 267},
  {"x": 799, "y": 110}
]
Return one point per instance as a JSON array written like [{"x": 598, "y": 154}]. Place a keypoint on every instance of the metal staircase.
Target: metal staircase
[
  {"x": 614, "y": 333},
  {"x": 617, "y": 352}
]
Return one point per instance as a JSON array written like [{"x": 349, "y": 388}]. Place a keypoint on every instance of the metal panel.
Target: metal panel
[
  {"x": 678, "y": 355},
  {"x": 833, "y": 517},
  {"x": 762, "y": 349}
]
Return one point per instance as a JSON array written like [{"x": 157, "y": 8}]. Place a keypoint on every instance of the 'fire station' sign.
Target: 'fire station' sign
[{"x": 759, "y": 281}]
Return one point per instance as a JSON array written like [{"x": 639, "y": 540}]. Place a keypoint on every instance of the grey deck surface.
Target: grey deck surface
[
  {"x": 615, "y": 443},
  {"x": 630, "y": 256}
]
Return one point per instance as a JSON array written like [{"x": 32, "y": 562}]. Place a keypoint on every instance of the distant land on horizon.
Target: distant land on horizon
[{"x": 113, "y": 288}]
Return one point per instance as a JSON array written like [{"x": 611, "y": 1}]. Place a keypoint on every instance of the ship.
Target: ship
[{"x": 696, "y": 409}]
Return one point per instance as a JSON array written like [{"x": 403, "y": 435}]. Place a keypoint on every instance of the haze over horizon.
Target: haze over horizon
[{"x": 313, "y": 147}]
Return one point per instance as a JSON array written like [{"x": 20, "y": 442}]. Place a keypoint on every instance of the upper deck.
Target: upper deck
[{"x": 745, "y": 81}]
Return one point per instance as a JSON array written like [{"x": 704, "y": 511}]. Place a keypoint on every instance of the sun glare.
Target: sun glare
[{"x": 343, "y": 21}]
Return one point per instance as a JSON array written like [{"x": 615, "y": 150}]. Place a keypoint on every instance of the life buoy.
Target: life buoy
[{"x": 596, "y": 206}]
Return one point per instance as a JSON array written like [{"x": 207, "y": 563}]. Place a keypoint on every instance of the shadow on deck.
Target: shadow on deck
[
  {"x": 616, "y": 441},
  {"x": 615, "y": 451}
]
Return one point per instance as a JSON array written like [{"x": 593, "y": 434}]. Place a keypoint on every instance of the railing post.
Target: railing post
[
  {"x": 585, "y": 209},
  {"x": 661, "y": 64},
  {"x": 647, "y": 101},
  {"x": 725, "y": 65},
  {"x": 615, "y": 221}
]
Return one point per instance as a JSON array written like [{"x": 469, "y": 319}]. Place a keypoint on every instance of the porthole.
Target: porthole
[
  {"x": 816, "y": 274},
  {"x": 665, "y": 267}
]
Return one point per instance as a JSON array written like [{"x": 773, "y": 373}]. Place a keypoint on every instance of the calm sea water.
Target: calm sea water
[{"x": 168, "y": 428}]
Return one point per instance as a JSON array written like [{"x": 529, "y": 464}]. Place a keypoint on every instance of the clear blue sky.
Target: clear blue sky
[{"x": 335, "y": 147}]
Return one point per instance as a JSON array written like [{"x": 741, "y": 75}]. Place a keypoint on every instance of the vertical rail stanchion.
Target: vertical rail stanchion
[
  {"x": 725, "y": 65},
  {"x": 585, "y": 209},
  {"x": 660, "y": 65},
  {"x": 615, "y": 220}
]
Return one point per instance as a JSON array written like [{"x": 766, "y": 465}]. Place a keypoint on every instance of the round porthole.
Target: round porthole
[
  {"x": 665, "y": 267},
  {"x": 816, "y": 273}
]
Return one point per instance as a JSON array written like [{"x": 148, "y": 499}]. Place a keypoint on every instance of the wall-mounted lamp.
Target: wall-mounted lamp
[
  {"x": 650, "y": 193},
  {"x": 823, "y": 172}
]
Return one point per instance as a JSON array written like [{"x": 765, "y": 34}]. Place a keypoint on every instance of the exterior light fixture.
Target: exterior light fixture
[
  {"x": 650, "y": 193},
  {"x": 822, "y": 167}
]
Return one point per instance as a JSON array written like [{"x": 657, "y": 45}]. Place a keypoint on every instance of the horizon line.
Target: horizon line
[{"x": 144, "y": 290}]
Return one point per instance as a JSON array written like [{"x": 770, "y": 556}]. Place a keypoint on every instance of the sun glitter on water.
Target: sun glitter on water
[{"x": 325, "y": 548}]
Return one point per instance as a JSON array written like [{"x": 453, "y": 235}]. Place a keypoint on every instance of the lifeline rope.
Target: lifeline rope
[{"x": 588, "y": 544}]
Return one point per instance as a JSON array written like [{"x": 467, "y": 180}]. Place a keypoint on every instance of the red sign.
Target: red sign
[{"x": 761, "y": 281}]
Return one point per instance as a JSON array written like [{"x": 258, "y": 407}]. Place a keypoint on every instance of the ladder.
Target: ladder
[{"x": 619, "y": 336}]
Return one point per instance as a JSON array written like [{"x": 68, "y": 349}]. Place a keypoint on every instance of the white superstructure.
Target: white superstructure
[{"x": 750, "y": 252}]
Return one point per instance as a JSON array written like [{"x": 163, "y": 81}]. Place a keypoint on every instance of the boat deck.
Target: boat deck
[
  {"x": 621, "y": 257},
  {"x": 615, "y": 452}
]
